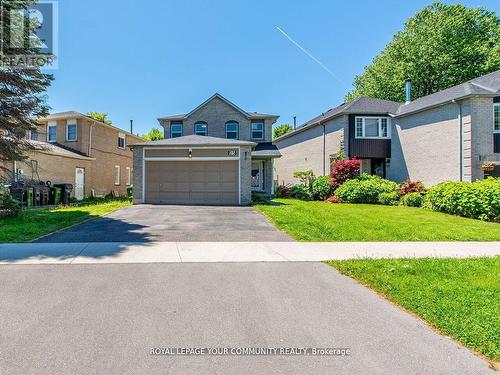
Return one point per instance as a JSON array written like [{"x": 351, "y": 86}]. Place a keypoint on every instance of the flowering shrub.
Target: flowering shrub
[
  {"x": 321, "y": 187},
  {"x": 365, "y": 189},
  {"x": 478, "y": 200},
  {"x": 334, "y": 199},
  {"x": 342, "y": 171},
  {"x": 389, "y": 198},
  {"x": 412, "y": 199},
  {"x": 409, "y": 186}
]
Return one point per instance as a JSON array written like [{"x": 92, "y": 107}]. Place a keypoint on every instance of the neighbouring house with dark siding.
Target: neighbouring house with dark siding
[{"x": 447, "y": 135}]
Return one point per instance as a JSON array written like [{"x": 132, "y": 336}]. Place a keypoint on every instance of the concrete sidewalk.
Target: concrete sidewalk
[{"x": 177, "y": 252}]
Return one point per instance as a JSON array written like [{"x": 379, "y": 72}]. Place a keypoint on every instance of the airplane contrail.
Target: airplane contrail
[{"x": 308, "y": 53}]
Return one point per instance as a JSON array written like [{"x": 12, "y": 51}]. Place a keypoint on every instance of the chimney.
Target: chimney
[
  {"x": 294, "y": 122},
  {"x": 131, "y": 126},
  {"x": 408, "y": 90}
]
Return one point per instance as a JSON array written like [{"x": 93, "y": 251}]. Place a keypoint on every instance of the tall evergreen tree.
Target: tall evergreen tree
[
  {"x": 441, "y": 46},
  {"x": 22, "y": 91}
]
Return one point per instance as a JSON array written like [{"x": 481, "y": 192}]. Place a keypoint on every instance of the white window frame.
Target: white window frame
[
  {"x": 51, "y": 124},
  {"x": 203, "y": 124},
  {"x": 172, "y": 132},
  {"x": 237, "y": 131},
  {"x": 121, "y": 136},
  {"x": 128, "y": 176},
  {"x": 496, "y": 131},
  {"x": 37, "y": 135},
  {"x": 117, "y": 175},
  {"x": 68, "y": 124},
  {"x": 258, "y": 122},
  {"x": 379, "y": 118}
]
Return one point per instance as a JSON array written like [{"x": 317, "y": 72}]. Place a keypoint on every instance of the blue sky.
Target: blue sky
[{"x": 144, "y": 59}]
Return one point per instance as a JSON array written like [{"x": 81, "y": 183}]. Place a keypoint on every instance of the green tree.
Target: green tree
[
  {"x": 441, "y": 46},
  {"x": 22, "y": 90},
  {"x": 281, "y": 129},
  {"x": 102, "y": 117},
  {"x": 154, "y": 134}
]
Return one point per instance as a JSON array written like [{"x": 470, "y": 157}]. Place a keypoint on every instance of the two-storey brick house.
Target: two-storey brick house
[
  {"x": 215, "y": 154},
  {"x": 73, "y": 148}
]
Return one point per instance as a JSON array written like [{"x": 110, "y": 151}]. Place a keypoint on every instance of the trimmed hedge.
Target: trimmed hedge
[
  {"x": 365, "y": 189},
  {"x": 389, "y": 199},
  {"x": 321, "y": 187},
  {"x": 412, "y": 199},
  {"x": 477, "y": 200}
]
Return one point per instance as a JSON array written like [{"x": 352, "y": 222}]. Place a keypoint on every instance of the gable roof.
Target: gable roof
[
  {"x": 75, "y": 115},
  {"x": 195, "y": 140},
  {"x": 487, "y": 85},
  {"x": 249, "y": 115},
  {"x": 361, "y": 105}
]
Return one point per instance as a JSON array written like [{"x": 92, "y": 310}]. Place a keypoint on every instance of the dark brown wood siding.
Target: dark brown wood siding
[{"x": 367, "y": 148}]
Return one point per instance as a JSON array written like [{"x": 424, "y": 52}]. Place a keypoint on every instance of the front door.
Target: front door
[
  {"x": 257, "y": 175},
  {"x": 79, "y": 183},
  {"x": 378, "y": 167}
]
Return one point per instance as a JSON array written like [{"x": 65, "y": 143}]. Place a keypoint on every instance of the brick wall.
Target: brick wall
[{"x": 304, "y": 150}]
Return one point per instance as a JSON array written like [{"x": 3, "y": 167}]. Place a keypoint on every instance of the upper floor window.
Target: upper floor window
[
  {"x": 372, "y": 127},
  {"x": 34, "y": 135},
  {"x": 52, "y": 132},
  {"x": 258, "y": 129},
  {"x": 71, "y": 130},
  {"x": 201, "y": 128},
  {"x": 232, "y": 130},
  {"x": 175, "y": 129},
  {"x": 496, "y": 118},
  {"x": 121, "y": 140}
]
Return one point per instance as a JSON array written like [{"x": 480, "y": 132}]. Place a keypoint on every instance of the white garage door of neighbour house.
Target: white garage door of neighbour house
[{"x": 210, "y": 182}]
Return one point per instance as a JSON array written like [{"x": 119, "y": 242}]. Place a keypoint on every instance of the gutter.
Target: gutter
[{"x": 324, "y": 148}]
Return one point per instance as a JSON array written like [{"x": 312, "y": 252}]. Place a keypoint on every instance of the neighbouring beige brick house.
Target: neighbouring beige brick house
[
  {"x": 73, "y": 148},
  {"x": 215, "y": 154},
  {"x": 448, "y": 135}
]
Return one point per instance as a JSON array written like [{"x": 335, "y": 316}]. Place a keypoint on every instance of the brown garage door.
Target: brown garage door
[{"x": 191, "y": 182}]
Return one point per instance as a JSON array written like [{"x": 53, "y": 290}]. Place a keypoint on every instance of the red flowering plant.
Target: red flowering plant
[
  {"x": 410, "y": 186},
  {"x": 342, "y": 171}
]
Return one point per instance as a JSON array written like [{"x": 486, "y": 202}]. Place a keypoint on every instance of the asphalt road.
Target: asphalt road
[
  {"x": 82, "y": 319},
  {"x": 146, "y": 223}
]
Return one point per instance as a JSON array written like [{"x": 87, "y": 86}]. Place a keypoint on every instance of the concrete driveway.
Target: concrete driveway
[
  {"x": 147, "y": 223},
  {"x": 63, "y": 319}
]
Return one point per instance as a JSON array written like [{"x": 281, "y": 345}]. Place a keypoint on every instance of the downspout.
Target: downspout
[
  {"x": 461, "y": 139},
  {"x": 90, "y": 138},
  {"x": 324, "y": 150}
]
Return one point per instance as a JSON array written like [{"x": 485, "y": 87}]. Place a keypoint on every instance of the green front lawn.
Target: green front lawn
[
  {"x": 35, "y": 223},
  {"x": 323, "y": 221},
  {"x": 460, "y": 297}
]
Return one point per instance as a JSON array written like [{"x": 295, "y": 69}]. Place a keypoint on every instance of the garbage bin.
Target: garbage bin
[
  {"x": 129, "y": 192},
  {"x": 66, "y": 190},
  {"x": 55, "y": 196}
]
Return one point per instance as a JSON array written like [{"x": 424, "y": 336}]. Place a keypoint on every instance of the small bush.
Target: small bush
[
  {"x": 258, "y": 197},
  {"x": 365, "y": 189},
  {"x": 9, "y": 206},
  {"x": 282, "y": 191},
  {"x": 321, "y": 187},
  {"x": 409, "y": 186},
  {"x": 342, "y": 171},
  {"x": 305, "y": 177},
  {"x": 300, "y": 191},
  {"x": 412, "y": 199},
  {"x": 389, "y": 198},
  {"x": 334, "y": 199},
  {"x": 477, "y": 200}
]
